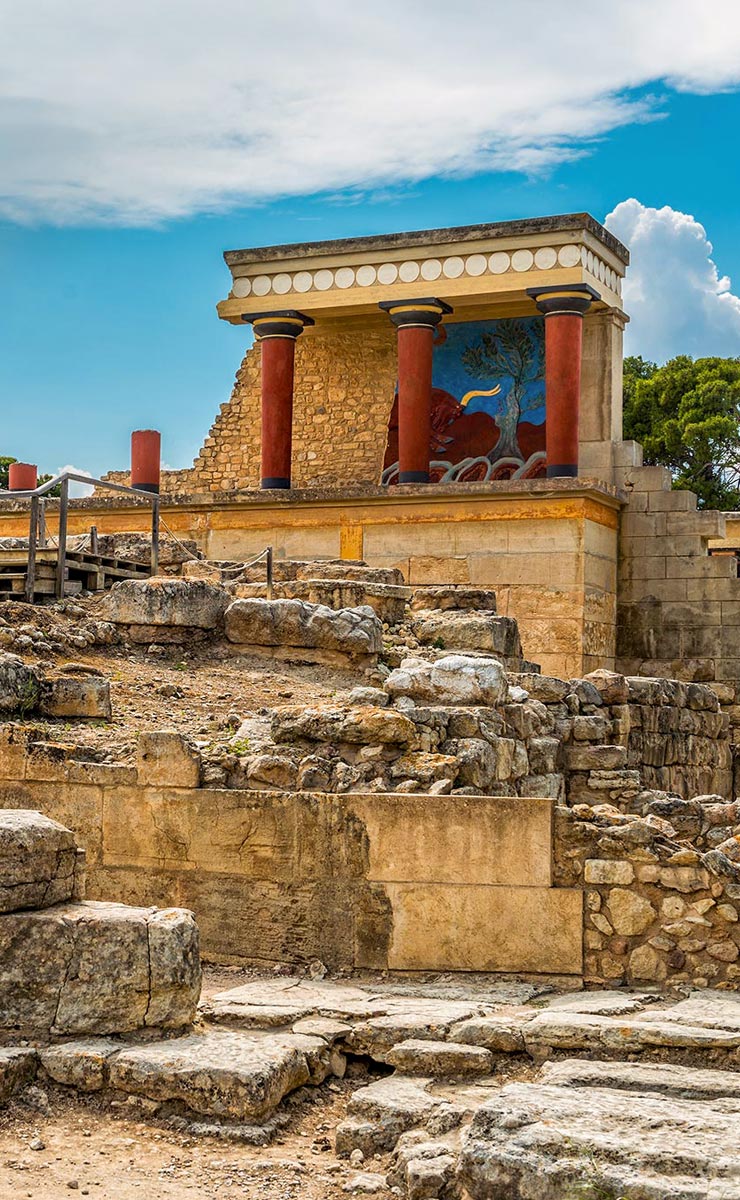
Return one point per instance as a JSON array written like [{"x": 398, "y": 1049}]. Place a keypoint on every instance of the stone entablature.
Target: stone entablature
[{"x": 464, "y": 265}]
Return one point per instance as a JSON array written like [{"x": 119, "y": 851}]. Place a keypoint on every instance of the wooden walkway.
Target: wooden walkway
[{"x": 83, "y": 570}]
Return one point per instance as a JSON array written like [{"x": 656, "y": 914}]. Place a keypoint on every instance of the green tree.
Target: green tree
[{"x": 686, "y": 414}]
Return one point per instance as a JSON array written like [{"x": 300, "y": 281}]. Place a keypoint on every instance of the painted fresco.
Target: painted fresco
[{"x": 488, "y": 402}]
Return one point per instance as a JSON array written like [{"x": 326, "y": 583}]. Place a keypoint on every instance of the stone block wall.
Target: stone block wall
[
  {"x": 679, "y": 607},
  {"x": 345, "y": 378}
]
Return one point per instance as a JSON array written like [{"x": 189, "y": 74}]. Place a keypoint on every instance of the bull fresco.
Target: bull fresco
[{"x": 488, "y": 402}]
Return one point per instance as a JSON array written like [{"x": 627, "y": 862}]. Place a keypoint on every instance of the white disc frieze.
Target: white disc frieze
[
  {"x": 431, "y": 269},
  {"x": 387, "y": 273},
  {"x": 475, "y": 264},
  {"x": 261, "y": 285},
  {"x": 303, "y": 281},
  {"x": 569, "y": 256},
  {"x": 521, "y": 260},
  {"x": 323, "y": 280},
  {"x": 241, "y": 288},
  {"x": 453, "y": 267},
  {"x": 499, "y": 262},
  {"x": 408, "y": 271},
  {"x": 344, "y": 277},
  {"x": 545, "y": 258},
  {"x": 366, "y": 276},
  {"x": 281, "y": 284}
]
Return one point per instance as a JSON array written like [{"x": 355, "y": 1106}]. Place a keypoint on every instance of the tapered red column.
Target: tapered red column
[
  {"x": 146, "y": 445},
  {"x": 415, "y": 321},
  {"x": 563, "y": 308},
  {"x": 276, "y": 333}
]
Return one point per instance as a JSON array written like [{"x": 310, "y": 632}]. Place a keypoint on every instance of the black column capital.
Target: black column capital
[
  {"x": 571, "y": 299},
  {"x": 287, "y": 323},
  {"x": 424, "y": 313}
]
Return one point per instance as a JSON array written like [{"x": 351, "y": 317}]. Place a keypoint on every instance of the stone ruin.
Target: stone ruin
[{"x": 455, "y": 811}]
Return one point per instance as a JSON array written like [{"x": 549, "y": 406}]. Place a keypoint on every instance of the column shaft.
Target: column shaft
[
  {"x": 563, "y": 342},
  {"x": 145, "y": 459},
  {"x": 563, "y": 306},
  {"x": 414, "y": 402},
  {"x": 278, "y": 362}
]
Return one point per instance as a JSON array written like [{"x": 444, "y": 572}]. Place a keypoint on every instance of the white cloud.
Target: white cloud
[
  {"x": 141, "y": 111},
  {"x": 77, "y": 491},
  {"x": 677, "y": 301}
]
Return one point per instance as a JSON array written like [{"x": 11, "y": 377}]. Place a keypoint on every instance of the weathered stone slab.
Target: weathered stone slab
[
  {"x": 689, "y": 1083},
  {"x": 412, "y": 1018},
  {"x": 17, "y": 1068},
  {"x": 602, "y": 1003},
  {"x": 417, "y": 1057},
  {"x": 221, "y": 1073},
  {"x": 502, "y": 1034},
  {"x": 543, "y": 1142},
  {"x": 81, "y": 1064},
  {"x": 355, "y": 632},
  {"x": 708, "y": 1008},
  {"x": 165, "y": 601},
  {"x": 363, "y": 726},
  {"x": 98, "y": 968},
  {"x": 284, "y": 1001},
  {"x": 380, "y": 1113},
  {"x": 447, "y": 596},
  {"x": 454, "y": 679},
  {"x": 70, "y": 696},
  {"x": 577, "y": 1031},
  {"x": 37, "y": 861},
  {"x": 469, "y": 631}
]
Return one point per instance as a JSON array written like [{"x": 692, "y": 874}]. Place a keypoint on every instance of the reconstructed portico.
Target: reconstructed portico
[{"x": 566, "y": 271}]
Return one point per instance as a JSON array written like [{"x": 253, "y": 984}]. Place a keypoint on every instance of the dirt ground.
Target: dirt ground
[{"x": 98, "y": 1150}]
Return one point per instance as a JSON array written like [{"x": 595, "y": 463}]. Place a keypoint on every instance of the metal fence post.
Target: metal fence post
[
  {"x": 155, "y": 537},
  {"x": 269, "y": 572}
]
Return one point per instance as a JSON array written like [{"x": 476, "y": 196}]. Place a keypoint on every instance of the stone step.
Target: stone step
[
  {"x": 581, "y": 1031},
  {"x": 688, "y": 1083},
  {"x": 222, "y": 1074},
  {"x": 535, "y": 1140},
  {"x": 416, "y": 1057}
]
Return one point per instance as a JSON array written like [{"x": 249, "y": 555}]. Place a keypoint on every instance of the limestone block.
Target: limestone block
[
  {"x": 81, "y": 1064},
  {"x": 545, "y": 688},
  {"x": 595, "y": 758},
  {"x": 70, "y": 696},
  {"x": 612, "y": 688},
  {"x": 451, "y": 597},
  {"x": 20, "y": 689},
  {"x": 355, "y": 632},
  {"x": 17, "y": 1068},
  {"x": 469, "y": 631},
  {"x": 420, "y": 1057},
  {"x": 97, "y": 968},
  {"x": 38, "y": 859},
  {"x": 223, "y": 1074},
  {"x": 630, "y": 912},
  {"x": 454, "y": 679},
  {"x": 534, "y": 1140},
  {"x": 165, "y": 601},
  {"x": 165, "y": 757},
  {"x": 604, "y": 870},
  {"x": 364, "y": 726}
]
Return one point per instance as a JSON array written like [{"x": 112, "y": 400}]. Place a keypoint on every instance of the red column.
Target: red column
[
  {"x": 276, "y": 334},
  {"x": 563, "y": 307},
  {"x": 145, "y": 459},
  {"x": 415, "y": 321},
  {"x": 22, "y": 477}
]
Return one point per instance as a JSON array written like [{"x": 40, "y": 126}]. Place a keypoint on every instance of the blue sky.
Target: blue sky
[{"x": 111, "y": 270}]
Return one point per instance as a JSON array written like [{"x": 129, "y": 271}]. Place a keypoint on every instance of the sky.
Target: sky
[{"x": 140, "y": 141}]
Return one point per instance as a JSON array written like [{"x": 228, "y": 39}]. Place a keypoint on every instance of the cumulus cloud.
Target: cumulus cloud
[
  {"x": 77, "y": 491},
  {"x": 676, "y": 298},
  {"x": 138, "y": 112}
]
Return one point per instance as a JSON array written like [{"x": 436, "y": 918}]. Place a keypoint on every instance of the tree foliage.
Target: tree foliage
[{"x": 686, "y": 414}]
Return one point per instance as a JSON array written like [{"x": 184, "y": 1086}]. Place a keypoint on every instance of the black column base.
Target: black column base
[
  {"x": 413, "y": 477},
  {"x": 558, "y": 470},
  {"x": 274, "y": 482},
  {"x": 147, "y": 487}
]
